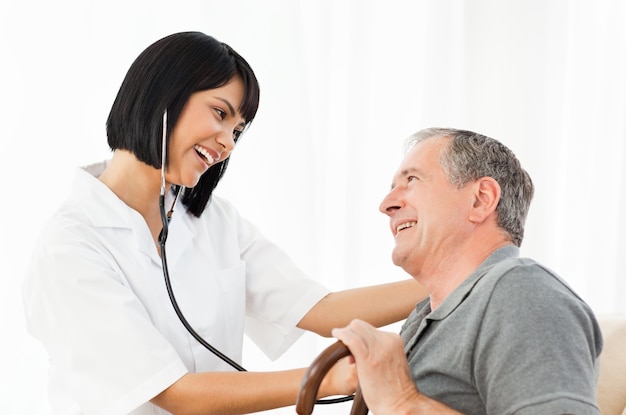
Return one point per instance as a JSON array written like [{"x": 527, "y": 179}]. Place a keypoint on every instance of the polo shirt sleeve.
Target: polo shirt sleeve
[
  {"x": 537, "y": 349},
  {"x": 278, "y": 293},
  {"x": 93, "y": 327}
]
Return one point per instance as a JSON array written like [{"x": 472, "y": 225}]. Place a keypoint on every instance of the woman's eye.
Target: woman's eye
[
  {"x": 220, "y": 113},
  {"x": 237, "y": 134}
]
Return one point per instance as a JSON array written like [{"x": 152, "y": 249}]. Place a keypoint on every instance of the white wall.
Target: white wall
[{"x": 343, "y": 83}]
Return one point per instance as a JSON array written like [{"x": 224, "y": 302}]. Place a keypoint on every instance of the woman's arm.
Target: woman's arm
[
  {"x": 379, "y": 305},
  {"x": 230, "y": 393}
]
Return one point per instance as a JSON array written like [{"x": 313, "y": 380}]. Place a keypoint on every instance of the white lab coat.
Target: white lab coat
[{"x": 95, "y": 297}]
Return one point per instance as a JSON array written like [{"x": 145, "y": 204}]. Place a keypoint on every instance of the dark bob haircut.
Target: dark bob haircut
[{"x": 163, "y": 77}]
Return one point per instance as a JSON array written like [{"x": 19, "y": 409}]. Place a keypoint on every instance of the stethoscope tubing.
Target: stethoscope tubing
[{"x": 165, "y": 219}]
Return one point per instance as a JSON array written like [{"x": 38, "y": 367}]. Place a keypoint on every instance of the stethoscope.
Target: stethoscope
[{"x": 165, "y": 219}]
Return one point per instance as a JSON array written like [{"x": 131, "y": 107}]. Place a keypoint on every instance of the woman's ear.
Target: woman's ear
[{"x": 486, "y": 197}]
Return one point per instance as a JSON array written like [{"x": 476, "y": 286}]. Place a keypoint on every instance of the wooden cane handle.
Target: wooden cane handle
[{"x": 307, "y": 395}]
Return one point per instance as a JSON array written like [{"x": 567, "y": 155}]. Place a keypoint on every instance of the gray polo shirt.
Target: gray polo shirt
[{"x": 513, "y": 338}]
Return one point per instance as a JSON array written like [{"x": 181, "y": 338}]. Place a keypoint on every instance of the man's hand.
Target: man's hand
[{"x": 382, "y": 367}]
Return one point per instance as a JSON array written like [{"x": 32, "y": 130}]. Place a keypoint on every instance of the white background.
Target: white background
[{"x": 343, "y": 83}]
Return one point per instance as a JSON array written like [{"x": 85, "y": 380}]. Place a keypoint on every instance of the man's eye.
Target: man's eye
[{"x": 411, "y": 178}]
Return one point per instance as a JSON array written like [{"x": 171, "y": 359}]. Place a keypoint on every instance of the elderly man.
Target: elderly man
[{"x": 498, "y": 334}]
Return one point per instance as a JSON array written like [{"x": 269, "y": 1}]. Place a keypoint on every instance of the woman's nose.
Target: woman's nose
[{"x": 226, "y": 140}]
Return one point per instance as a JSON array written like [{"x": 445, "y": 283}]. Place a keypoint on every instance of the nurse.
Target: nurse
[{"x": 94, "y": 294}]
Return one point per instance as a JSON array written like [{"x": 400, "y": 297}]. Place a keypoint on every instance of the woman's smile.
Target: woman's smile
[{"x": 208, "y": 156}]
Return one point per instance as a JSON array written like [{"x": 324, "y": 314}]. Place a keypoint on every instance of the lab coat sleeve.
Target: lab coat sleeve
[
  {"x": 96, "y": 331},
  {"x": 278, "y": 293}
]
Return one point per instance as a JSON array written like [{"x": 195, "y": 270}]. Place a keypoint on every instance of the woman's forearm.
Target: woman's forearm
[
  {"x": 379, "y": 305},
  {"x": 230, "y": 393}
]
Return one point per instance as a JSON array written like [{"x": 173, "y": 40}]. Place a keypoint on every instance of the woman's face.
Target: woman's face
[{"x": 205, "y": 132}]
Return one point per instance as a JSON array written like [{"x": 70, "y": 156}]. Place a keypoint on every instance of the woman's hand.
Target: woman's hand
[{"x": 341, "y": 379}]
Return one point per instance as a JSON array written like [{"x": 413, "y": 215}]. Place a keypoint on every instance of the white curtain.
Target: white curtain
[{"x": 343, "y": 83}]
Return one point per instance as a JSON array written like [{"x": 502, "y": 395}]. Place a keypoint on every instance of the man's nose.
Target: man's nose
[{"x": 391, "y": 202}]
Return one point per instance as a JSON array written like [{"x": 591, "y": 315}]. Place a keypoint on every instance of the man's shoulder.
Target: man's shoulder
[{"x": 524, "y": 275}]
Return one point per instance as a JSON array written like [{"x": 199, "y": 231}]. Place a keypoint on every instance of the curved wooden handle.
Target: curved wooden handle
[{"x": 307, "y": 395}]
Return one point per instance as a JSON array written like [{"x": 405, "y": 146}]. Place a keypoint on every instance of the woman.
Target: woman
[{"x": 95, "y": 295}]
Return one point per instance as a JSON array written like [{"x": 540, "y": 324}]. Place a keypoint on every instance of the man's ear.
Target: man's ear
[{"x": 486, "y": 197}]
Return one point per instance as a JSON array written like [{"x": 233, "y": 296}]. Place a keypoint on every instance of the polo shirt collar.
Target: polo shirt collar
[
  {"x": 462, "y": 291},
  {"x": 423, "y": 310}
]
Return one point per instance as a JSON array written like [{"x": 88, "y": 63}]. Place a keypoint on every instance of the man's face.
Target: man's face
[{"x": 428, "y": 216}]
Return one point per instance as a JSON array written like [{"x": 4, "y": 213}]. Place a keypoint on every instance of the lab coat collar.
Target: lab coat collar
[{"x": 105, "y": 210}]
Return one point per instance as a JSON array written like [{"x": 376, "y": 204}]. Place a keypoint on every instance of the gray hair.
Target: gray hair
[{"x": 468, "y": 156}]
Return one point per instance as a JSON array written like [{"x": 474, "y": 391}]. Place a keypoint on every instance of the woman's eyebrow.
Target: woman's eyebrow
[{"x": 229, "y": 105}]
